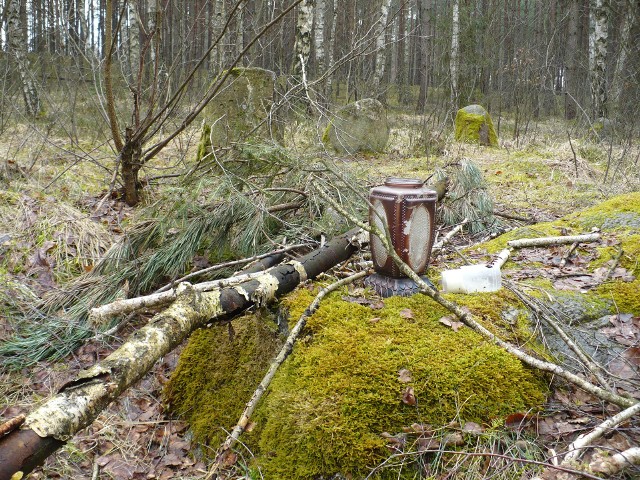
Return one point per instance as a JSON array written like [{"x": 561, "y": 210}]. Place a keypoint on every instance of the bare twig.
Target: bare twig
[
  {"x": 447, "y": 238},
  {"x": 287, "y": 348},
  {"x": 567, "y": 255},
  {"x": 614, "y": 265},
  {"x": 514, "y": 217},
  {"x": 593, "y": 367}
]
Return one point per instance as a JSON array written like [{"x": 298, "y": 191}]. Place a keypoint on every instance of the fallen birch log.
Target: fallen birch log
[
  {"x": 544, "y": 241},
  {"x": 81, "y": 400}
]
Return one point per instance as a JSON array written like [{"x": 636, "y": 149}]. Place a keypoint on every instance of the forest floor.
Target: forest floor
[{"x": 540, "y": 176}]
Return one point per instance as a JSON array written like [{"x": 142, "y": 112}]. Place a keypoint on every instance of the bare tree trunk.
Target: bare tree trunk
[
  {"x": 571, "y": 62},
  {"x": 624, "y": 49},
  {"x": 598, "y": 44},
  {"x": 331, "y": 44},
  {"x": 303, "y": 37},
  {"x": 134, "y": 40},
  {"x": 454, "y": 63},
  {"x": 318, "y": 25},
  {"x": 424, "y": 17},
  {"x": 17, "y": 45},
  {"x": 218, "y": 21},
  {"x": 381, "y": 51}
]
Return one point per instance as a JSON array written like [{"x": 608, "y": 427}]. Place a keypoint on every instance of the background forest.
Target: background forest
[{"x": 109, "y": 190}]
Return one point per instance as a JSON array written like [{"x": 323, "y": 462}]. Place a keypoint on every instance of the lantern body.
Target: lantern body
[{"x": 408, "y": 208}]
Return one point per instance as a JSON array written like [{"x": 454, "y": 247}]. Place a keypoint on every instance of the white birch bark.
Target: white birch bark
[
  {"x": 454, "y": 62},
  {"x": 598, "y": 42},
  {"x": 318, "y": 22},
  {"x": 18, "y": 48},
  {"x": 218, "y": 19},
  {"x": 134, "y": 38},
  {"x": 381, "y": 52},
  {"x": 331, "y": 45},
  {"x": 303, "y": 37},
  {"x": 240, "y": 31}
]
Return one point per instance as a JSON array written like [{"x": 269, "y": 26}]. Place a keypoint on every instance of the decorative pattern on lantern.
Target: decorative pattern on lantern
[{"x": 408, "y": 208}]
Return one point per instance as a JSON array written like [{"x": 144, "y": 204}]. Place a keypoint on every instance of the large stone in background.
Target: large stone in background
[
  {"x": 361, "y": 126},
  {"x": 243, "y": 103},
  {"x": 473, "y": 124}
]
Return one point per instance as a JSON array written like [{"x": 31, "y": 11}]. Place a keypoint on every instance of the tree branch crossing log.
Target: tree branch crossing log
[{"x": 80, "y": 401}]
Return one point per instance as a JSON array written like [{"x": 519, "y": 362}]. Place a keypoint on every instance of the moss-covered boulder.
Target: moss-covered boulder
[
  {"x": 474, "y": 125},
  {"x": 342, "y": 388},
  {"x": 343, "y": 385},
  {"x": 241, "y": 110},
  {"x": 361, "y": 126}
]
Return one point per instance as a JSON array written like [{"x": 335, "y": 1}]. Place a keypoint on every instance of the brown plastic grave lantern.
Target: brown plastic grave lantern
[{"x": 408, "y": 208}]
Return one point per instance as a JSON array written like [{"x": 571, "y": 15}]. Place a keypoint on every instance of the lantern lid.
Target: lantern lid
[{"x": 403, "y": 182}]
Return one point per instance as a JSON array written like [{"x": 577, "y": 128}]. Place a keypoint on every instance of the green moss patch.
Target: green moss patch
[
  {"x": 473, "y": 124},
  {"x": 217, "y": 373},
  {"x": 341, "y": 389}
]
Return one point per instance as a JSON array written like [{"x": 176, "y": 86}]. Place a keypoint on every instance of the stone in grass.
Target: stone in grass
[
  {"x": 361, "y": 126},
  {"x": 474, "y": 125},
  {"x": 241, "y": 110}
]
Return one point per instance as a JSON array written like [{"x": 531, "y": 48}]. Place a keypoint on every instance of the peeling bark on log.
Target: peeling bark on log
[{"x": 80, "y": 401}]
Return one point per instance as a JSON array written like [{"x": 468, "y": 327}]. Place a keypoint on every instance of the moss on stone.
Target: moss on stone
[
  {"x": 624, "y": 295},
  {"x": 204, "y": 145},
  {"x": 473, "y": 124},
  {"x": 340, "y": 389},
  {"x": 218, "y": 372},
  {"x": 619, "y": 213}
]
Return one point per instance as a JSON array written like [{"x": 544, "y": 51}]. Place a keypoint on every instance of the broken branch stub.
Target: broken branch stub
[{"x": 79, "y": 402}]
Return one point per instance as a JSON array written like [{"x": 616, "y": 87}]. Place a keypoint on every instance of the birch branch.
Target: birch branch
[
  {"x": 286, "y": 350},
  {"x": 233, "y": 263},
  {"x": 545, "y": 241},
  {"x": 610, "y": 465},
  {"x": 471, "y": 321},
  {"x": 577, "y": 447},
  {"x": 101, "y": 314},
  {"x": 604, "y": 465},
  {"x": 447, "y": 238},
  {"x": 81, "y": 400}
]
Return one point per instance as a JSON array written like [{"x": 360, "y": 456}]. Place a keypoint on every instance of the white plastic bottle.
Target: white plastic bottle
[{"x": 471, "y": 279}]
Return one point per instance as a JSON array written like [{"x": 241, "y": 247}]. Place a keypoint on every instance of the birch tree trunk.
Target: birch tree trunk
[
  {"x": 17, "y": 45},
  {"x": 454, "y": 63},
  {"x": 598, "y": 43},
  {"x": 571, "y": 62},
  {"x": 626, "y": 47},
  {"x": 134, "y": 40},
  {"x": 303, "y": 38},
  {"x": 218, "y": 21},
  {"x": 424, "y": 17},
  {"x": 318, "y": 23},
  {"x": 331, "y": 44},
  {"x": 381, "y": 51}
]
